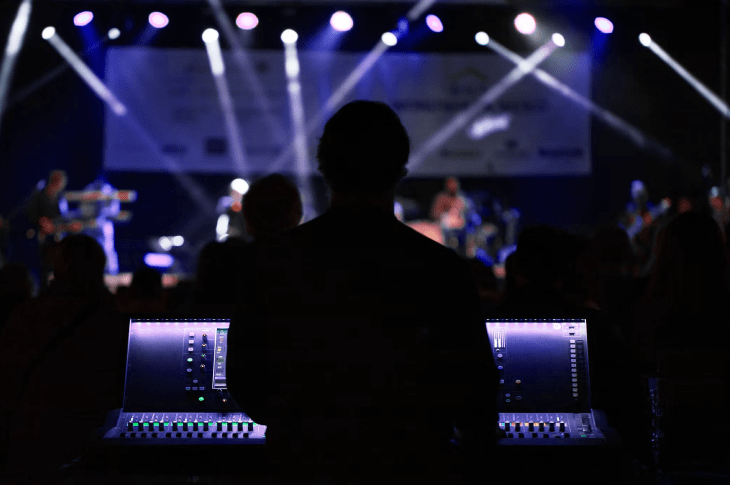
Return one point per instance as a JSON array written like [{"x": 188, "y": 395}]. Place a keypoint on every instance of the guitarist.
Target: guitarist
[{"x": 45, "y": 209}]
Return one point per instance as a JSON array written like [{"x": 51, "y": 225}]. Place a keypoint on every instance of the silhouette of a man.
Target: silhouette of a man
[{"x": 364, "y": 348}]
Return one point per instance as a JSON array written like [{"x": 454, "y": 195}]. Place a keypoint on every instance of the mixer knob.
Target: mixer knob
[
  {"x": 517, "y": 426},
  {"x": 202, "y": 367},
  {"x": 205, "y": 426},
  {"x": 531, "y": 427},
  {"x": 541, "y": 427},
  {"x": 520, "y": 435},
  {"x": 195, "y": 426},
  {"x": 562, "y": 427},
  {"x": 130, "y": 426},
  {"x": 552, "y": 426},
  {"x": 506, "y": 426},
  {"x": 250, "y": 426},
  {"x": 230, "y": 426},
  {"x": 219, "y": 426}
]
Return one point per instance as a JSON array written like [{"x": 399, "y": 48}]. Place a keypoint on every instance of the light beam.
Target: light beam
[
  {"x": 218, "y": 68},
  {"x": 609, "y": 118},
  {"x": 713, "y": 99},
  {"x": 12, "y": 48},
  {"x": 84, "y": 72},
  {"x": 460, "y": 120}
]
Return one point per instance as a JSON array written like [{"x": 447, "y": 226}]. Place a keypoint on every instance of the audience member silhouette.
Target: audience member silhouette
[
  {"x": 67, "y": 355},
  {"x": 271, "y": 205},
  {"x": 16, "y": 286},
  {"x": 677, "y": 337},
  {"x": 144, "y": 295},
  {"x": 363, "y": 347}
]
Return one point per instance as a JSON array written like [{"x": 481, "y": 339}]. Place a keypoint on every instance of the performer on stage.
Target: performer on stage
[
  {"x": 102, "y": 211},
  {"x": 451, "y": 209},
  {"x": 45, "y": 211}
]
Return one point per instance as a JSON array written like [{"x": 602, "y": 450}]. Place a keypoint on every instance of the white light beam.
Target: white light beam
[
  {"x": 243, "y": 61},
  {"x": 611, "y": 119},
  {"x": 218, "y": 68},
  {"x": 461, "y": 119},
  {"x": 715, "y": 100},
  {"x": 12, "y": 49},
  {"x": 86, "y": 74}
]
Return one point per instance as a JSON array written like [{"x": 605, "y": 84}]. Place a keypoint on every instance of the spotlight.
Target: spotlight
[
  {"x": 604, "y": 25},
  {"x": 247, "y": 21},
  {"x": 341, "y": 21},
  {"x": 83, "y": 18},
  {"x": 525, "y": 23},
  {"x": 114, "y": 33},
  {"x": 289, "y": 36},
  {"x": 158, "y": 20},
  {"x": 434, "y": 23},
  {"x": 210, "y": 35},
  {"x": 177, "y": 241},
  {"x": 240, "y": 186},
  {"x": 165, "y": 243},
  {"x": 645, "y": 40},
  {"x": 558, "y": 40},
  {"x": 389, "y": 39},
  {"x": 48, "y": 32},
  {"x": 482, "y": 38}
]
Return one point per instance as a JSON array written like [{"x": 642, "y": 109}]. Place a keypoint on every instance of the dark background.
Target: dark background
[{"x": 53, "y": 120}]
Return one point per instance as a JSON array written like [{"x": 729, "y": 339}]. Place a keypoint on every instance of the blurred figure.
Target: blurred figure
[
  {"x": 230, "y": 219},
  {"x": 677, "y": 341},
  {"x": 74, "y": 329},
  {"x": 272, "y": 204},
  {"x": 145, "y": 293},
  {"x": 359, "y": 323},
  {"x": 45, "y": 210},
  {"x": 451, "y": 209},
  {"x": 102, "y": 212}
]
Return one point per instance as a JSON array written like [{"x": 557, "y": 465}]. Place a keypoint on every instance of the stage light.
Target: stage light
[
  {"x": 604, "y": 25},
  {"x": 210, "y": 35},
  {"x": 341, "y": 21},
  {"x": 247, "y": 21},
  {"x": 178, "y": 241},
  {"x": 389, "y": 39},
  {"x": 558, "y": 39},
  {"x": 83, "y": 18},
  {"x": 482, "y": 38},
  {"x": 158, "y": 20},
  {"x": 434, "y": 23},
  {"x": 114, "y": 33},
  {"x": 165, "y": 243},
  {"x": 289, "y": 36},
  {"x": 525, "y": 23},
  {"x": 158, "y": 260},
  {"x": 645, "y": 40},
  {"x": 48, "y": 32},
  {"x": 240, "y": 186}
]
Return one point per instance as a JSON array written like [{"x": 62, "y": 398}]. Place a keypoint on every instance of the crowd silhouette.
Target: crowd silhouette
[{"x": 361, "y": 343}]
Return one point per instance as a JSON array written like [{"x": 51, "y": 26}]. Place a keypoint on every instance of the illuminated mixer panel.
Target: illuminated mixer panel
[
  {"x": 175, "y": 387},
  {"x": 544, "y": 393}
]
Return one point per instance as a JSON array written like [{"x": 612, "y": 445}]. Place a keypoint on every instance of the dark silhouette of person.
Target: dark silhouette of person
[
  {"x": 362, "y": 347},
  {"x": 271, "y": 205},
  {"x": 68, "y": 361}
]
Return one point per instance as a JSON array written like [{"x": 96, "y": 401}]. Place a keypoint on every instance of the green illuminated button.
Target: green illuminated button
[
  {"x": 135, "y": 424},
  {"x": 190, "y": 359},
  {"x": 167, "y": 424},
  {"x": 583, "y": 436},
  {"x": 201, "y": 398}
]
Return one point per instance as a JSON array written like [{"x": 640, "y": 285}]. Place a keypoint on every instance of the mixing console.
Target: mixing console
[
  {"x": 544, "y": 391},
  {"x": 175, "y": 387}
]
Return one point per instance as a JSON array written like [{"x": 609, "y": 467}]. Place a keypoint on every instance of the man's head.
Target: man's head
[
  {"x": 364, "y": 148},
  {"x": 452, "y": 185},
  {"x": 271, "y": 205},
  {"x": 56, "y": 182}
]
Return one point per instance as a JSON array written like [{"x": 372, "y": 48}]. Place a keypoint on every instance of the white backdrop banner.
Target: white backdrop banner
[{"x": 175, "y": 121}]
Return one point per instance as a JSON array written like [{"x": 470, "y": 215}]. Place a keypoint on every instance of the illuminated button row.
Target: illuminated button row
[
  {"x": 204, "y": 426},
  {"x": 517, "y": 426}
]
